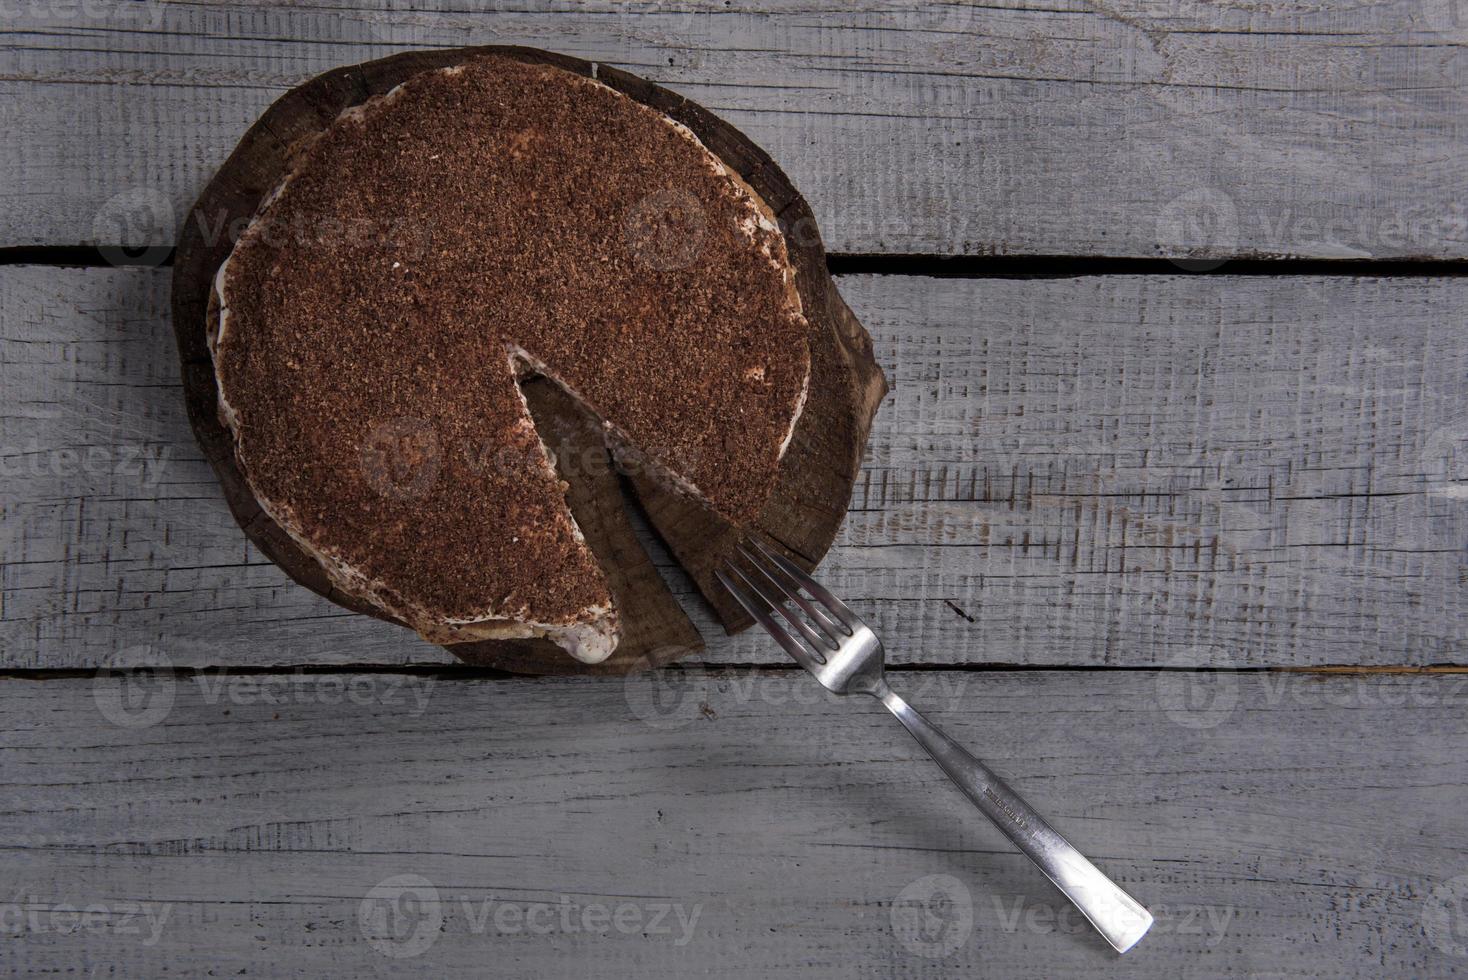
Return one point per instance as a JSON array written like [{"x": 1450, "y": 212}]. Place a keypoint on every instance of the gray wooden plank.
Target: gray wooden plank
[
  {"x": 1279, "y": 825},
  {"x": 1101, "y": 470},
  {"x": 1131, "y": 128}
]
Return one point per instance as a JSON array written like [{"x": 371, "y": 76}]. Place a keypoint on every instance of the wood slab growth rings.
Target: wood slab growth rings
[{"x": 817, "y": 473}]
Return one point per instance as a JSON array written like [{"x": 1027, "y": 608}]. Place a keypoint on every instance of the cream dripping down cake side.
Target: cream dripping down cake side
[{"x": 434, "y": 246}]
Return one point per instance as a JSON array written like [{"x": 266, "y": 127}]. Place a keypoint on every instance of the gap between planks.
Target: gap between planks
[
  {"x": 451, "y": 672},
  {"x": 877, "y": 263}
]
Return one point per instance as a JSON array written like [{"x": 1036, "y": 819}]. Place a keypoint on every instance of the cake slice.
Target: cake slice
[{"x": 436, "y": 245}]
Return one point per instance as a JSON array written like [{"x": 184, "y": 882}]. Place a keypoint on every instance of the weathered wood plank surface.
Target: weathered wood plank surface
[
  {"x": 1132, "y": 128},
  {"x": 1103, "y": 470},
  {"x": 1278, "y": 825}
]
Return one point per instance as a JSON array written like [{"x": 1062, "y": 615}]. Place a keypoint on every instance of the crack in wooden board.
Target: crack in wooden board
[
  {"x": 261, "y": 810},
  {"x": 1118, "y": 470},
  {"x": 1189, "y": 129}
]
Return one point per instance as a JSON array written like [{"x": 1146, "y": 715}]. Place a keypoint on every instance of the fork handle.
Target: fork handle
[{"x": 1114, "y": 913}]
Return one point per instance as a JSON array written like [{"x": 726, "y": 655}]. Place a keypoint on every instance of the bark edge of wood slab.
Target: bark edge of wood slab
[{"x": 816, "y": 475}]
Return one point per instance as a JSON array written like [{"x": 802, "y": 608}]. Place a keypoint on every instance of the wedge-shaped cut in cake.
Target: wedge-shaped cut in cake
[{"x": 435, "y": 245}]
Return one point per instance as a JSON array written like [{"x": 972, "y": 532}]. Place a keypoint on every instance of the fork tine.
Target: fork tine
[
  {"x": 818, "y": 642},
  {"x": 848, "y": 618},
  {"x": 791, "y": 644},
  {"x": 834, "y": 633}
]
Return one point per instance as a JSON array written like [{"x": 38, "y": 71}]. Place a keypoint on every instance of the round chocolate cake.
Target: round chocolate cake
[{"x": 434, "y": 247}]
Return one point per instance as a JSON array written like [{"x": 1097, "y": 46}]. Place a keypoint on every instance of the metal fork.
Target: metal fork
[{"x": 847, "y": 658}]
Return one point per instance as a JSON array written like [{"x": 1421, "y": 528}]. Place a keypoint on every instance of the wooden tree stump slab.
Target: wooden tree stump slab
[{"x": 816, "y": 476}]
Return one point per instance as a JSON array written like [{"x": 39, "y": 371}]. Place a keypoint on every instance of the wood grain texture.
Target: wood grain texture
[
  {"x": 1116, "y": 128},
  {"x": 1279, "y": 825},
  {"x": 1103, "y": 470}
]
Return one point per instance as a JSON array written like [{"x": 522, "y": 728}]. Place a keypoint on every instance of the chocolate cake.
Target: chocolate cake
[{"x": 429, "y": 250}]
